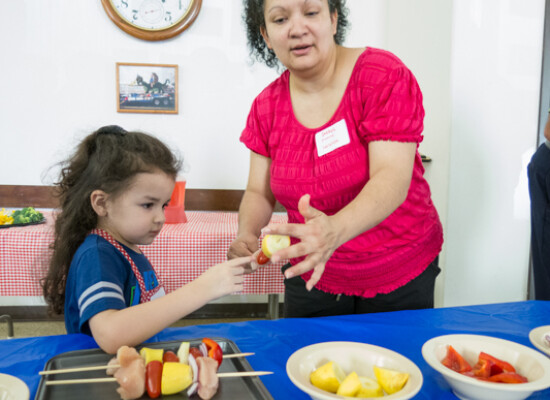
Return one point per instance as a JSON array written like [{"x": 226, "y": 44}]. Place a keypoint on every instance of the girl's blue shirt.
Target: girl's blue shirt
[{"x": 100, "y": 278}]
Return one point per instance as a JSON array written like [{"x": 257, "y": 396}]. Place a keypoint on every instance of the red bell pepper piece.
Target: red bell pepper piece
[
  {"x": 455, "y": 361},
  {"x": 153, "y": 378},
  {"x": 214, "y": 350},
  {"x": 508, "y": 377},
  {"x": 483, "y": 368},
  {"x": 496, "y": 369},
  {"x": 504, "y": 366}
]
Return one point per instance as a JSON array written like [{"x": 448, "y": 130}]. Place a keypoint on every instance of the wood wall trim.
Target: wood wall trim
[
  {"x": 195, "y": 199},
  {"x": 213, "y": 199},
  {"x": 27, "y": 196}
]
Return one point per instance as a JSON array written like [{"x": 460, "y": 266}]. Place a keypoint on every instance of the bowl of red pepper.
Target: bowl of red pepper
[{"x": 480, "y": 367}]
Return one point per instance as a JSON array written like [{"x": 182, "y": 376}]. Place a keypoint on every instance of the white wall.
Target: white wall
[
  {"x": 496, "y": 66},
  {"x": 59, "y": 63},
  {"x": 477, "y": 62}
]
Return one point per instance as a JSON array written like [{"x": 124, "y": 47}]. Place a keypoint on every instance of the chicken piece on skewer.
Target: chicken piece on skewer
[
  {"x": 130, "y": 374},
  {"x": 112, "y": 366},
  {"x": 208, "y": 378}
]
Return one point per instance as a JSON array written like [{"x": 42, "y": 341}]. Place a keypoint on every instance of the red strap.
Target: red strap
[{"x": 145, "y": 294}]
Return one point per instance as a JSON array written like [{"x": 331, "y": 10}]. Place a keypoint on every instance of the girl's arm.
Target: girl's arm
[
  {"x": 133, "y": 325},
  {"x": 255, "y": 209},
  {"x": 390, "y": 169}
]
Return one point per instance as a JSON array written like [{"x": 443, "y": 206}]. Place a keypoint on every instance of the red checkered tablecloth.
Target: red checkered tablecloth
[{"x": 180, "y": 253}]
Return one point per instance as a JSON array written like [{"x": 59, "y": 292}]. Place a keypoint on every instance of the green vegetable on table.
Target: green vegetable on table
[{"x": 26, "y": 215}]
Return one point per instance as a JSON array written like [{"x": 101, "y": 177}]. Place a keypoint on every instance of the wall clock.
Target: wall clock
[{"x": 152, "y": 19}]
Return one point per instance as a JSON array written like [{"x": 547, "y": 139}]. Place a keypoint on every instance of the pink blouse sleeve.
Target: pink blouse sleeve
[
  {"x": 253, "y": 136},
  {"x": 393, "y": 111}
]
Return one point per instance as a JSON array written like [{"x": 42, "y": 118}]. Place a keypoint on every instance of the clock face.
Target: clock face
[
  {"x": 152, "y": 14},
  {"x": 152, "y": 19}
]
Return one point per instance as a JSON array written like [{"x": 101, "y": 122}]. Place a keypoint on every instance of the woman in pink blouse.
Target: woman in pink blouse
[{"x": 335, "y": 140}]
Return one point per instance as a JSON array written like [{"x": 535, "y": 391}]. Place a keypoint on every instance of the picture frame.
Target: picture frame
[{"x": 147, "y": 88}]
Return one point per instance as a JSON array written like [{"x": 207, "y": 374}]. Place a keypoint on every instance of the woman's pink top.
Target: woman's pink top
[{"x": 382, "y": 102}]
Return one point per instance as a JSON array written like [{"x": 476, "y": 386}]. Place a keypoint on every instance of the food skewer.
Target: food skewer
[
  {"x": 159, "y": 371},
  {"x": 111, "y": 379},
  {"x": 100, "y": 367}
]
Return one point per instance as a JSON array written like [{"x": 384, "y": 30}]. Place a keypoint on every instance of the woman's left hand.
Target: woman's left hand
[{"x": 318, "y": 240}]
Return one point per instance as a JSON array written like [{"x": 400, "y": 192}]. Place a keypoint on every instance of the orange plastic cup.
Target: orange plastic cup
[{"x": 175, "y": 210}]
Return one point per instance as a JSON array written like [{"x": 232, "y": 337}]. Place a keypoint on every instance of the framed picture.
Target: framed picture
[{"x": 147, "y": 88}]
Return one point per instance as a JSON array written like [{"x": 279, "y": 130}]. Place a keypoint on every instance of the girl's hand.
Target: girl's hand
[
  {"x": 225, "y": 278},
  {"x": 244, "y": 245},
  {"x": 318, "y": 240}
]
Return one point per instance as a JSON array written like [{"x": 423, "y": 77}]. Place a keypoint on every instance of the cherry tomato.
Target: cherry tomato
[
  {"x": 170, "y": 356},
  {"x": 195, "y": 352},
  {"x": 214, "y": 350},
  {"x": 262, "y": 258},
  {"x": 153, "y": 378}
]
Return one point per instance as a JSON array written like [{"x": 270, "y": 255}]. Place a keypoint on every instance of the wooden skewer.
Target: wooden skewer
[
  {"x": 100, "y": 367},
  {"x": 111, "y": 379},
  {"x": 243, "y": 373},
  {"x": 74, "y": 381},
  {"x": 235, "y": 355},
  {"x": 78, "y": 369}
]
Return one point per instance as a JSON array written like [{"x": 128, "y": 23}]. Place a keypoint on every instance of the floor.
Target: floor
[{"x": 47, "y": 328}]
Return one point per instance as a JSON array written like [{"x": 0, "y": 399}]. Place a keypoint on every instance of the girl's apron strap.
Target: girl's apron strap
[{"x": 146, "y": 295}]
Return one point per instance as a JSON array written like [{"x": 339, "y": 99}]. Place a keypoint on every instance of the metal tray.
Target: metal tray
[
  {"x": 230, "y": 388},
  {"x": 43, "y": 220}
]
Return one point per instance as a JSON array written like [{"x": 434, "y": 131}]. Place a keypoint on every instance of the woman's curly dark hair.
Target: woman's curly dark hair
[{"x": 253, "y": 17}]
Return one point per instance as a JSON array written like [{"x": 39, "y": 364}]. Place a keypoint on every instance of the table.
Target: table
[
  {"x": 180, "y": 253},
  {"x": 274, "y": 341}
]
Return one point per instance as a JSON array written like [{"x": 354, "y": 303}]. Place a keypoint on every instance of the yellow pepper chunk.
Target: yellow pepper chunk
[
  {"x": 5, "y": 219},
  {"x": 391, "y": 380},
  {"x": 327, "y": 377},
  {"x": 175, "y": 377},
  {"x": 149, "y": 354},
  {"x": 349, "y": 386}
]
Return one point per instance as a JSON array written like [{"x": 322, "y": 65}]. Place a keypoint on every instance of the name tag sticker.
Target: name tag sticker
[{"x": 332, "y": 138}]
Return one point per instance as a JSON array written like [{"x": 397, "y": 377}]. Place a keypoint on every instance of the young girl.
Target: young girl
[{"x": 113, "y": 191}]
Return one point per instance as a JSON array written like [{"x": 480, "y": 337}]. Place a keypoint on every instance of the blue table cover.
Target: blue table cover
[{"x": 274, "y": 341}]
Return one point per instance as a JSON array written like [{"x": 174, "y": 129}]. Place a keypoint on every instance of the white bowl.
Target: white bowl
[
  {"x": 13, "y": 388},
  {"x": 527, "y": 362},
  {"x": 351, "y": 356},
  {"x": 538, "y": 338}
]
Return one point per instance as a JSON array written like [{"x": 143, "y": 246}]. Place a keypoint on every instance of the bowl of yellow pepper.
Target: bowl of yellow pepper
[{"x": 344, "y": 370}]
